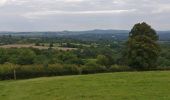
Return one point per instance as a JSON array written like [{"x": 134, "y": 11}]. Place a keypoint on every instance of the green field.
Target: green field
[{"x": 113, "y": 86}]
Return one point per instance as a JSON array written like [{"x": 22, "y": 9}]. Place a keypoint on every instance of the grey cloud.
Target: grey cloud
[{"x": 38, "y": 15}]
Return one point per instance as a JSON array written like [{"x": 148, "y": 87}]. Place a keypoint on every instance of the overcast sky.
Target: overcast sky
[{"x": 57, "y": 15}]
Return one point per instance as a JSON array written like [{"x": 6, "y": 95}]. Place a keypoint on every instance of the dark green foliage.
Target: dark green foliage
[
  {"x": 22, "y": 56},
  {"x": 51, "y": 45},
  {"x": 119, "y": 68},
  {"x": 37, "y": 44},
  {"x": 71, "y": 45},
  {"x": 164, "y": 59},
  {"x": 103, "y": 60},
  {"x": 3, "y": 56},
  {"x": 39, "y": 59},
  {"x": 101, "y": 55},
  {"x": 142, "y": 48},
  {"x": 30, "y": 71},
  {"x": 27, "y": 56},
  {"x": 143, "y": 29},
  {"x": 92, "y": 67}
]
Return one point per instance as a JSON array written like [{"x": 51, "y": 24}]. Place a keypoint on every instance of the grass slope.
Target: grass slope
[{"x": 113, "y": 86}]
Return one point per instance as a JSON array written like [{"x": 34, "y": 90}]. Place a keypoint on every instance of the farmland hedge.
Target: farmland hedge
[{"x": 32, "y": 71}]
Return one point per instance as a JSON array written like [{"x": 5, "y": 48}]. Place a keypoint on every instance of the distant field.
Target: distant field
[
  {"x": 114, "y": 86},
  {"x": 33, "y": 46}
]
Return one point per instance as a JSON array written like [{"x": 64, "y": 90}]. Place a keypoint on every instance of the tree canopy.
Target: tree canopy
[{"x": 142, "y": 47}]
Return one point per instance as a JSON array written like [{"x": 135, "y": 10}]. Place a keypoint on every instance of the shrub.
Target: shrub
[
  {"x": 92, "y": 67},
  {"x": 119, "y": 68},
  {"x": 103, "y": 60},
  {"x": 31, "y": 71},
  {"x": 162, "y": 68},
  {"x": 71, "y": 69},
  {"x": 58, "y": 69},
  {"x": 7, "y": 71}
]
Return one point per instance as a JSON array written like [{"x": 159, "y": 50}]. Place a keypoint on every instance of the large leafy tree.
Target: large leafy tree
[{"x": 142, "y": 48}]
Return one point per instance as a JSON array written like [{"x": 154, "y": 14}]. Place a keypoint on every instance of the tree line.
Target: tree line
[{"x": 141, "y": 51}]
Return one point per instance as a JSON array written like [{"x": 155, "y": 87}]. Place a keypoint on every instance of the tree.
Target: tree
[
  {"x": 142, "y": 48},
  {"x": 51, "y": 45},
  {"x": 103, "y": 60},
  {"x": 22, "y": 56},
  {"x": 3, "y": 56}
]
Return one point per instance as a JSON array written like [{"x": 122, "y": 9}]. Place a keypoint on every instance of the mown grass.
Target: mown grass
[{"x": 113, "y": 86}]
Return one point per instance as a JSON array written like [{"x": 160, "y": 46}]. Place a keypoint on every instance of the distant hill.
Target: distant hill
[
  {"x": 87, "y": 35},
  {"x": 164, "y": 35}
]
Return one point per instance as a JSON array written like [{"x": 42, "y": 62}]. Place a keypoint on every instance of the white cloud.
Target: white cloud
[
  {"x": 48, "y": 13},
  {"x": 118, "y": 1},
  {"x": 2, "y": 2},
  {"x": 73, "y": 1},
  {"x": 162, "y": 8}
]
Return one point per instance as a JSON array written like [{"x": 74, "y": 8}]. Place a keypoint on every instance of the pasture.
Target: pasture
[{"x": 111, "y": 86}]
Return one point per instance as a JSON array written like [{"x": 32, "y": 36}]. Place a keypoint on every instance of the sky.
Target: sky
[{"x": 59, "y": 15}]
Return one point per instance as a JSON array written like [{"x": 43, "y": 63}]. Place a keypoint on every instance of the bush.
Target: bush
[
  {"x": 163, "y": 68},
  {"x": 92, "y": 67},
  {"x": 7, "y": 71},
  {"x": 103, "y": 60},
  {"x": 58, "y": 69},
  {"x": 119, "y": 68},
  {"x": 31, "y": 71}
]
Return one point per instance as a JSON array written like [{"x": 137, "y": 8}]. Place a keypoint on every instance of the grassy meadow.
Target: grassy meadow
[{"x": 111, "y": 86}]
